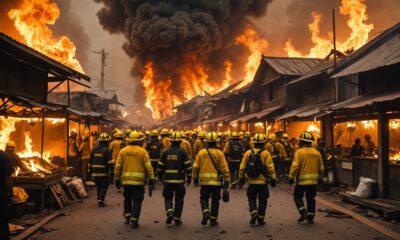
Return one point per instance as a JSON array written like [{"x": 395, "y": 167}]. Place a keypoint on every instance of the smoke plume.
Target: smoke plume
[{"x": 182, "y": 35}]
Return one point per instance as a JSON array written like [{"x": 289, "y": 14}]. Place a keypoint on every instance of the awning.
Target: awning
[
  {"x": 215, "y": 120},
  {"x": 313, "y": 110},
  {"x": 258, "y": 115},
  {"x": 365, "y": 101},
  {"x": 186, "y": 119}
]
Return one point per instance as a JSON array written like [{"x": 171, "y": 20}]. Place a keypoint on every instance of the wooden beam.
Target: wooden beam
[{"x": 383, "y": 154}]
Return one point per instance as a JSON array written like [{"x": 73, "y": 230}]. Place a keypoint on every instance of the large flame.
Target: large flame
[
  {"x": 195, "y": 78},
  {"x": 32, "y": 20},
  {"x": 257, "y": 46},
  {"x": 356, "y": 10}
]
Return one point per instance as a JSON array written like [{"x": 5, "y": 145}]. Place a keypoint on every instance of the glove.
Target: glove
[
  {"x": 196, "y": 182},
  {"x": 273, "y": 183},
  {"x": 160, "y": 177},
  {"x": 291, "y": 181},
  {"x": 151, "y": 184},
  {"x": 188, "y": 180},
  {"x": 241, "y": 181},
  {"x": 226, "y": 184},
  {"x": 118, "y": 183}
]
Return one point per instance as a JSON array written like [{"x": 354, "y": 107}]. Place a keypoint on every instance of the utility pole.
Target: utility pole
[
  {"x": 104, "y": 55},
  {"x": 334, "y": 37}
]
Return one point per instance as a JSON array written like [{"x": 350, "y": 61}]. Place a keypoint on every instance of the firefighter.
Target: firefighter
[
  {"x": 278, "y": 153},
  {"x": 99, "y": 166},
  {"x": 84, "y": 150},
  {"x": 115, "y": 147},
  {"x": 211, "y": 172},
  {"x": 308, "y": 169},
  {"x": 185, "y": 144},
  {"x": 131, "y": 170},
  {"x": 73, "y": 154},
  {"x": 165, "y": 139},
  {"x": 147, "y": 139},
  {"x": 13, "y": 157},
  {"x": 257, "y": 165},
  {"x": 234, "y": 152},
  {"x": 174, "y": 164},
  {"x": 193, "y": 138},
  {"x": 247, "y": 142},
  {"x": 289, "y": 149},
  {"x": 220, "y": 141},
  {"x": 154, "y": 149},
  {"x": 199, "y": 143}
]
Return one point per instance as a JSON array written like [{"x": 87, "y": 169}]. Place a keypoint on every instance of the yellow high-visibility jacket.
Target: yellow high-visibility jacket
[
  {"x": 278, "y": 149},
  {"x": 133, "y": 166},
  {"x": 307, "y": 166},
  {"x": 185, "y": 144},
  {"x": 115, "y": 148},
  {"x": 266, "y": 161},
  {"x": 166, "y": 143},
  {"x": 197, "y": 146},
  {"x": 205, "y": 170}
]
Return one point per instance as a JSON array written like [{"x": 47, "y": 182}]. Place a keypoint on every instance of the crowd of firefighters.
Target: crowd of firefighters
[{"x": 214, "y": 161}]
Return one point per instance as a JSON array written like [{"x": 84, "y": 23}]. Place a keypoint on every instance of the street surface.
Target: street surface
[{"x": 87, "y": 221}]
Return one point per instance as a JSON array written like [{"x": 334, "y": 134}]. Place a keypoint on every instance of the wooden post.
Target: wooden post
[
  {"x": 67, "y": 128},
  {"x": 42, "y": 140},
  {"x": 383, "y": 154}
]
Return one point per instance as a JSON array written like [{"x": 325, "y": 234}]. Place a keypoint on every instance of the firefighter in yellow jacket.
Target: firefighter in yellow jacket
[
  {"x": 258, "y": 167},
  {"x": 211, "y": 171},
  {"x": 185, "y": 144},
  {"x": 115, "y": 148},
  {"x": 278, "y": 154},
  {"x": 131, "y": 170},
  {"x": 199, "y": 143},
  {"x": 308, "y": 169},
  {"x": 165, "y": 139}
]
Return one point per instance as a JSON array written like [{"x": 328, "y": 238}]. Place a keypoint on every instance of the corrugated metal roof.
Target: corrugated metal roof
[
  {"x": 365, "y": 100},
  {"x": 216, "y": 120},
  {"x": 384, "y": 55},
  {"x": 305, "y": 111},
  {"x": 7, "y": 43},
  {"x": 323, "y": 66},
  {"x": 257, "y": 115},
  {"x": 291, "y": 66}
]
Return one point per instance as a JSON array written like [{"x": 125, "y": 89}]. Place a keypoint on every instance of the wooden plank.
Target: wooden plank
[
  {"x": 386, "y": 231},
  {"x": 38, "y": 225},
  {"x": 56, "y": 197}
]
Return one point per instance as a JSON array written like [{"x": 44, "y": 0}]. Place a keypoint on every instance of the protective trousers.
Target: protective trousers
[
  {"x": 133, "y": 199},
  {"x": 170, "y": 190},
  {"x": 261, "y": 192},
  {"x": 215, "y": 193},
  {"x": 310, "y": 191},
  {"x": 234, "y": 166},
  {"x": 154, "y": 164},
  {"x": 102, "y": 187},
  {"x": 4, "y": 230}
]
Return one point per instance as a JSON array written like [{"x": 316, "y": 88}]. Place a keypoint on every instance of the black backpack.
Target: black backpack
[
  {"x": 236, "y": 152},
  {"x": 154, "y": 149},
  {"x": 254, "y": 166}
]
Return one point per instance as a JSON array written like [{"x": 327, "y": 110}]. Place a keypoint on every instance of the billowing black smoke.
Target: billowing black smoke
[{"x": 180, "y": 34}]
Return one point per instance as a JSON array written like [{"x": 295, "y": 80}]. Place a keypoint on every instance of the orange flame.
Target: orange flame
[
  {"x": 257, "y": 46},
  {"x": 32, "y": 21},
  {"x": 228, "y": 78},
  {"x": 356, "y": 10}
]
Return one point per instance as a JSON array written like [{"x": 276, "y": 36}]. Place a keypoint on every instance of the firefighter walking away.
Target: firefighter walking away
[
  {"x": 211, "y": 172},
  {"x": 308, "y": 169},
  {"x": 99, "y": 166},
  {"x": 174, "y": 164},
  {"x": 131, "y": 170},
  {"x": 234, "y": 152},
  {"x": 258, "y": 167}
]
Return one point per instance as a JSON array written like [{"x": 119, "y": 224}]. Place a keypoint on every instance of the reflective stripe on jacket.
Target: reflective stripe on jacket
[
  {"x": 266, "y": 161},
  {"x": 307, "y": 166},
  {"x": 205, "y": 170}
]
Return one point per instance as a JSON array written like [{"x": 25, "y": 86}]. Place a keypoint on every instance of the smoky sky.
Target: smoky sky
[
  {"x": 179, "y": 34},
  {"x": 290, "y": 18}
]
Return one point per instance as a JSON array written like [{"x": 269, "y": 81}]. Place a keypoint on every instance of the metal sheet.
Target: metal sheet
[
  {"x": 365, "y": 100},
  {"x": 292, "y": 66}
]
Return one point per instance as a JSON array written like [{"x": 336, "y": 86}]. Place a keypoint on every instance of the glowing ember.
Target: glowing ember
[
  {"x": 313, "y": 128},
  {"x": 32, "y": 20},
  {"x": 259, "y": 124},
  {"x": 368, "y": 124},
  {"x": 32, "y": 166},
  {"x": 234, "y": 124},
  {"x": 17, "y": 171},
  {"x": 257, "y": 46},
  {"x": 124, "y": 113},
  {"x": 356, "y": 10},
  {"x": 394, "y": 124}
]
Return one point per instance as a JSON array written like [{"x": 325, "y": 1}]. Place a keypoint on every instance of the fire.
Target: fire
[
  {"x": 228, "y": 78},
  {"x": 28, "y": 152},
  {"x": 356, "y": 10},
  {"x": 32, "y": 20},
  {"x": 394, "y": 124},
  {"x": 257, "y": 46},
  {"x": 7, "y": 127},
  {"x": 368, "y": 124},
  {"x": 313, "y": 128}
]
